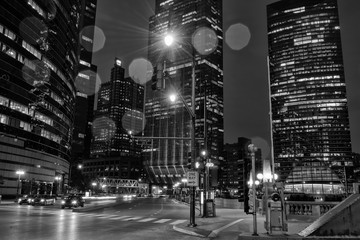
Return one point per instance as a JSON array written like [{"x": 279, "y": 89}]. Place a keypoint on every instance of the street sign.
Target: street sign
[{"x": 192, "y": 178}]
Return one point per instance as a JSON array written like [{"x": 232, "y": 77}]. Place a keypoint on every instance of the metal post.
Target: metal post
[
  {"x": 192, "y": 201},
  {"x": 17, "y": 189},
  {"x": 253, "y": 149}
]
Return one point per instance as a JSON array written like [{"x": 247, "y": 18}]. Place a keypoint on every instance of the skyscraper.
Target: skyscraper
[
  {"x": 166, "y": 159},
  {"x": 114, "y": 152},
  {"x": 86, "y": 84},
  {"x": 39, "y": 43},
  {"x": 311, "y": 134}
]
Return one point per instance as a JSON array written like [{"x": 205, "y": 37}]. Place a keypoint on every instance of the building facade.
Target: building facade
[
  {"x": 86, "y": 83},
  {"x": 115, "y": 153},
  {"x": 39, "y": 45},
  {"x": 166, "y": 157},
  {"x": 311, "y": 134}
]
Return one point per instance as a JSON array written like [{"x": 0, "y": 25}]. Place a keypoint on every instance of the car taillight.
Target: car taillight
[
  {"x": 74, "y": 202},
  {"x": 42, "y": 200},
  {"x": 62, "y": 202}
]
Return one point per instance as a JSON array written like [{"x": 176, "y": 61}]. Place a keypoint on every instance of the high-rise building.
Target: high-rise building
[
  {"x": 166, "y": 159},
  {"x": 86, "y": 84},
  {"x": 311, "y": 134},
  {"x": 114, "y": 152},
  {"x": 39, "y": 44}
]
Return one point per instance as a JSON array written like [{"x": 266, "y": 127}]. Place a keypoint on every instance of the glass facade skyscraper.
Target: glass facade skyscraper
[
  {"x": 166, "y": 158},
  {"x": 310, "y": 122},
  {"x": 39, "y": 43}
]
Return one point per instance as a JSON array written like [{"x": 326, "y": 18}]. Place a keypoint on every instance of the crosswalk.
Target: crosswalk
[{"x": 110, "y": 217}]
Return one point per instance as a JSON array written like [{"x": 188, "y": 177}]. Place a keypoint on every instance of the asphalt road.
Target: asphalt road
[{"x": 139, "y": 218}]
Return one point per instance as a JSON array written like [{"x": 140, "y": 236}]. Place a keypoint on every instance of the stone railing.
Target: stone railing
[{"x": 308, "y": 208}]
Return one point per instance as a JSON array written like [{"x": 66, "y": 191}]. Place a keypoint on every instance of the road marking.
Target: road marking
[
  {"x": 131, "y": 219},
  {"x": 109, "y": 216},
  {"x": 162, "y": 220},
  {"x": 117, "y": 218},
  {"x": 178, "y": 222},
  {"x": 146, "y": 219}
]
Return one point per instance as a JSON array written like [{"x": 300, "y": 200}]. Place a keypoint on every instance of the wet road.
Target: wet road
[{"x": 142, "y": 218}]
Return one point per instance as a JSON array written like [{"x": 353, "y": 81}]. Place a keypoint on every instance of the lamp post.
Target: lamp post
[
  {"x": 252, "y": 150},
  {"x": 169, "y": 40},
  {"x": 19, "y": 173},
  {"x": 93, "y": 184},
  {"x": 58, "y": 179}
]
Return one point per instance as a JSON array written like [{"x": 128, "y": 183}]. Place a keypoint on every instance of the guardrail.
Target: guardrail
[{"x": 308, "y": 208}]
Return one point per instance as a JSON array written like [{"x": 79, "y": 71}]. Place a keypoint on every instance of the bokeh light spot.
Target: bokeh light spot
[
  {"x": 103, "y": 129},
  {"x": 205, "y": 40},
  {"x": 33, "y": 30},
  {"x": 99, "y": 38},
  {"x": 263, "y": 145},
  {"x": 133, "y": 122},
  {"x": 36, "y": 73},
  {"x": 87, "y": 82},
  {"x": 237, "y": 36},
  {"x": 141, "y": 70}
]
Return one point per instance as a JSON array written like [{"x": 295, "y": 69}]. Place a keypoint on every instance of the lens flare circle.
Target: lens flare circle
[
  {"x": 262, "y": 144},
  {"x": 99, "y": 39},
  {"x": 133, "y": 122},
  {"x": 36, "y": 73},
  {"x": 205, "y": 40},
  {"x": 237, "y": 36},
  {"x": 87, "y": 82},
  {"x": 103, "y": 129},
  {"x": 141, "y": 70},
  {"x": 33, "y": 30}
]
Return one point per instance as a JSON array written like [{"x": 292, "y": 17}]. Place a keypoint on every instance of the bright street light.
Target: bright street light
[
  {"x": 172, "y": 97},
  {"x": 169, "y": 39}
]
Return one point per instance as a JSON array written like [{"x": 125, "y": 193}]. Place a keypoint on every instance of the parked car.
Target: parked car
[
  {"x": 72, "y": 201},
  {"x": 26, "y": 199},
  {"x": 43, "y": 200}
]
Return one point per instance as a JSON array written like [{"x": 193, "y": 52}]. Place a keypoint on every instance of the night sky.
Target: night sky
[{"x": 124, "y": 24}]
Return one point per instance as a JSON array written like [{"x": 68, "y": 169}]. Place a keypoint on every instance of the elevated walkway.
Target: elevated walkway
[{"x": 341, "y": 220}]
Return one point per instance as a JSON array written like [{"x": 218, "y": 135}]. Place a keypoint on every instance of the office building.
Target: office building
[
  {"x": 39, "y": 46},
  {"x": 310, "y": 121},
  {"x": 115, "y": 153},
  {"x": 167, "y": 155}
]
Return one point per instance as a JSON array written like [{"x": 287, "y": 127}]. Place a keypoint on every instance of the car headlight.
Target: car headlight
[
  {"x": 62, "y": 202},
  {"x": 42, "y": 200},
  {"x": 74, "y": 202},
  {"x": 19, "y": 200}
]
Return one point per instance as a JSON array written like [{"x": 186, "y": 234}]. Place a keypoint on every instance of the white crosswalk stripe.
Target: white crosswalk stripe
[
  {"x": 178, "y": 222},
  {"x": 117, "y": 218},
  {"x": 131, "y": 219},
  {"x": 162, "y": 220},
  {"x": 109, "y": 216},
  {"x": 146, "y": 219}
]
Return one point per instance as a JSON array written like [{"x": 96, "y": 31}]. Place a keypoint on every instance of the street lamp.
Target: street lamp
[
  {"x": 169, "y": 40},
  {"x": 252, "y": 149},
  {"x": 18, "y": 172}
]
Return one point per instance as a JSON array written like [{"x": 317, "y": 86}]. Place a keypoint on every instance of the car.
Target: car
[
  {"x": 43, "y": 200},
  {"x": 72, "y": 201},
  {"x": 26, "y": 199}
]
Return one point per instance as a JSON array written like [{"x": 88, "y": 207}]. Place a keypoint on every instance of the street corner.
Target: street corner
[{"x": 193, "y": 231}]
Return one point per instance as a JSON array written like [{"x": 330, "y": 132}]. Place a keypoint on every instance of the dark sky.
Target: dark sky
[{"x": 246, "y": 106}]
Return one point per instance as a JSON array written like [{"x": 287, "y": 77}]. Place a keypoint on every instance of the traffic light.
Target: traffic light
[
  {"x": 158, "y": 79},
  {"x": 189, "y": 160}
]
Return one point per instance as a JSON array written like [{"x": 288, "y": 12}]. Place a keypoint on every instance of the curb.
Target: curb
[{"x": 188, "y": 232}]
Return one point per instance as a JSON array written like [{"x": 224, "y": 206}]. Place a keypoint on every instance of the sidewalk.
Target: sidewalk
[{"x": 225, "y": 218}]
